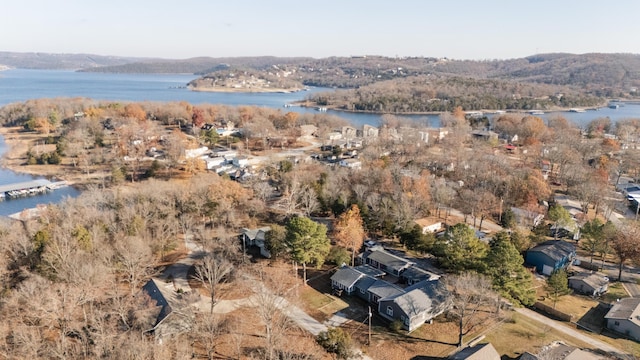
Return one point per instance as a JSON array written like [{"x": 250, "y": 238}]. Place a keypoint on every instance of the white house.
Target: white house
[
  {"x": 241, "y": 161},
  {"x": 194, "y": 153},
  {"x": 429, "y": 225},
  {"x": 351, "y": 163}
]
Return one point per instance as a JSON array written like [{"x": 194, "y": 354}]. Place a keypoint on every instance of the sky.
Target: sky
[{"x": 456, "y": 29}]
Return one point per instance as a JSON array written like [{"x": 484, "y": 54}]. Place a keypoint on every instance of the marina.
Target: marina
[{"x": 28, "y": 188}]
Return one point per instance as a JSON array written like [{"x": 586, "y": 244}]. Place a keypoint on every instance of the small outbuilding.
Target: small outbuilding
[{"x": 591, "y": 284}]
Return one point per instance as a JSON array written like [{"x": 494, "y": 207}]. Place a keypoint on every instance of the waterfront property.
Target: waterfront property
[{"x": 26, "y": 188}]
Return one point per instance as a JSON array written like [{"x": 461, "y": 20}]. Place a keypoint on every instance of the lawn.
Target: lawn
[
  {"x": 519, "y": 334},
  {"x": 616, "y": 291}
]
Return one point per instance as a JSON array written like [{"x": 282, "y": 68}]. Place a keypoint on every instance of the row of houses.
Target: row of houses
[{"x": 424, "y": 298}]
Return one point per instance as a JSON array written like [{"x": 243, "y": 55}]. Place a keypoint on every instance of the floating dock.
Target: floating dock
[{"x": 26, "y": 188}]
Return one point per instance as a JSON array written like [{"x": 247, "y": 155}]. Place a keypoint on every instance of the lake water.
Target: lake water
[{"x": 19, "y": 85}]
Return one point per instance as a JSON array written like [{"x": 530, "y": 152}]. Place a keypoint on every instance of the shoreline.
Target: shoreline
[
  {"x": 305, "y": 104},
  {"x": 12, "y": 160},
  {"x": 244, "y": 90}
]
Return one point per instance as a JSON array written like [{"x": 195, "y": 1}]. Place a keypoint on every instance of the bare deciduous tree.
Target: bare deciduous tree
[
  {"x": 472, "y": 297},
  {"x": 210, "y": 272}
]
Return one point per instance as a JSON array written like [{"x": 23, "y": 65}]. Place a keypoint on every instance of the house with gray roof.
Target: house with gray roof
[
  {"x": 477, "y": 352},
  {"x": 416, "y": 304},
  {"x": 414, "y": 275},
  {"x": 345, "y": 279},
  {"x": 382, "y": 289},
  {"x": 551, "y": 256},
  {"x": 169, "y": 305},
  {"x": 591, "y": 284},
  {"x": 350, "y": 279},
  {"x": 624, "y": 318},
  {"x": 385, "y": 261},
  {"x": 558, "y": 350},
  {"x": 256, "y": 237}
]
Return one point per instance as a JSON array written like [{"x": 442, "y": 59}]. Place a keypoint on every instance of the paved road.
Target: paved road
[
  {"x": 179, "y": 272},
  {"x": 569, "y": 331},
  {"x": 630, "y": 274}
]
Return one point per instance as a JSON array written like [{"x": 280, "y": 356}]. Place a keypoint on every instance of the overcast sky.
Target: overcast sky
[{"x": 178, "y": 29}]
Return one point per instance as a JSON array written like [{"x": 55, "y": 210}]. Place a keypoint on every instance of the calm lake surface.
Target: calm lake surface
[{"x": 19, "y": 85}]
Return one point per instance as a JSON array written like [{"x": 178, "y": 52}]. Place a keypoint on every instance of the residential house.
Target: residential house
[
  {"x": 429, "y": 225},
  {"x": 345, "y": 279},
  {"x": 167, "y": 319},
  {"x": 350, "y": 279},
  {"x": 351, "y": 163},
  {"x": 527, "y": 218},
  {"x": 194, "y": 153},
  {"x": 477, "y": 352},
  {"x": 591, "y": 284},
  {"x": 624, "y": 318},
  {"x": 385, "y": 261},
  {"x": 436, "y": 134},
  {"x": 348, "y": 132},
  {"x": 334, "y": 136},
  {"x": 240, "y": 161},
  {"x": 369, "y": 131},
  {"x": 381, "y": 289},
  {"x": 414, "y": 275},
  {"x": 484, "y": 134},
  {"x": 551, "y": 256},
  {"x": 416, "y": 305},
  {"x": 256, "y": 237},
  {"x": 558, "y": 350},
  {"x": 213, "y": 162}
]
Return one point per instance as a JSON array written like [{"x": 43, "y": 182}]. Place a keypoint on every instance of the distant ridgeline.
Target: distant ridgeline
[{"x": 397, "y": 85}]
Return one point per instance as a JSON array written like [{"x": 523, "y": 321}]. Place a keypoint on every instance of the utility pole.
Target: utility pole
[{"x": 369, "y": 326}]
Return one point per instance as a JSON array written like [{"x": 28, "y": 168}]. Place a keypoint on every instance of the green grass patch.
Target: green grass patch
[
  {"x": 520, "y": 334},
  {"x": 314, "y": 299},
  {"x": 616, "y": 291}
]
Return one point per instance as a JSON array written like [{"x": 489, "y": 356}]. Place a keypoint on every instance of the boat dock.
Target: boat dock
[{"x": 24, "y": 188}]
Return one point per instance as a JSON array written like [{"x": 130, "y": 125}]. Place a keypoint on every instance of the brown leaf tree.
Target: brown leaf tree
[{"x": 349, "y": 231}]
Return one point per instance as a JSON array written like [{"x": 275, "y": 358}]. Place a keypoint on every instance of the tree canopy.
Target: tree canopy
[
  {"x": 509, "y": 277},
  {"x": 307, "y": 242},
  {"x": 348, "y": 230},
  {"x": 459, "y": 249}
]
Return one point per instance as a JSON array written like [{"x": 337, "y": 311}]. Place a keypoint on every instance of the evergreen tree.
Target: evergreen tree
[
  {"x": 508, "y": 219},
  {"x": 275, "y": 241},
  {"x": 414, "y": 239},
  {"x": 593, "y": 235},
  {"x": 509, "y": 277},
  {"x": 560, "y": 217},
  {"x": 460, "y": 250},
  {"x": 307, "y": 242},
  {"x": 558, "y": 286}
]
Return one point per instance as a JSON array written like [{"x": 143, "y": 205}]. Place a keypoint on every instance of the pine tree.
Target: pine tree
[
  {"x": 460, "y": 249},
  {"x": 509, "y": 277},
  {"x": 307, "y": 242},
  {"x": 558, "y": 286}
]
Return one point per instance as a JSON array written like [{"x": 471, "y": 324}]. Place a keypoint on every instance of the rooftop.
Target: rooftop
[
  {"x": 391, "y": 261},
  {"x": 555, "y": 249},
  {"x": 625, "y": 309}
]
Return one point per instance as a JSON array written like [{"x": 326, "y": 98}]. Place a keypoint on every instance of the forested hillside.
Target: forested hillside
[{"x": 61, "y": 61}]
